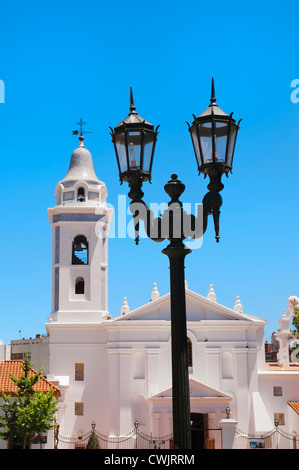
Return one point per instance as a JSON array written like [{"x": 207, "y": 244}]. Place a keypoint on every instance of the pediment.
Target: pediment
[
  {"x": 198, "y": 308},
  {"x": 197, "y": 390}
]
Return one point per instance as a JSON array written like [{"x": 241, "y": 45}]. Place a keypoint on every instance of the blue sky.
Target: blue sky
[{"x": 61, "y": 61}]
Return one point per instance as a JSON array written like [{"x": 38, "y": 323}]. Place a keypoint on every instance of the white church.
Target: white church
[{"x": 116, "y": 371}]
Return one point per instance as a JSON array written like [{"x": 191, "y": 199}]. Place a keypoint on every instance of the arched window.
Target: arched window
[
  {"x": 79, "y": 285},
  {"x": 80, "y": 250},
  {"x": 81, "y": 195},
  {"x": 189, "y": 352}
]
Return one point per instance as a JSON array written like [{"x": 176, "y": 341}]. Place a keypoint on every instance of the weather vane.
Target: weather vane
[{"x": 81, "y": 124}]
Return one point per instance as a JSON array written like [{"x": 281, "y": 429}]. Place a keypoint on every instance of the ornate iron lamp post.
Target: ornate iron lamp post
[{"x": 213, "y": 135}]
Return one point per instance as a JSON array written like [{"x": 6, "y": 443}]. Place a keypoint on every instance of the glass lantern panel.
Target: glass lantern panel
[
  {"x": 231, "y": 144},
  {"x": 221, "y": 131},
  {"x": 148, "y": 142},
  {"x": 205, "y": 133},
  {"x": 193, "y": 132},
  {"x": 121, "y": 152},
  {"x": 134, "y": 149}
]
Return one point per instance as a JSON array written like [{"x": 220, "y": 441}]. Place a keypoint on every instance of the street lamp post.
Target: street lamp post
[
  {"x": 136, "y": 426},
  {"x": 213, "y": 136},
  {"x": 276, "y": 423}
]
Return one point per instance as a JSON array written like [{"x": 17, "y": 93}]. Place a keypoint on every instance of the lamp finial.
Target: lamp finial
[
  {"x": 213, "y": 98},
  {"x": 132, "y": 106}
]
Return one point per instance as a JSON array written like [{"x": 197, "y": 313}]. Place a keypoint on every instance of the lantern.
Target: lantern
[
  {"x": 214, "y": 135},
  {"x": 134, "y": 143}
]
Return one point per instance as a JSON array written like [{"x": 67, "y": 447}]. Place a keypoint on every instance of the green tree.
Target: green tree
[
  {"x": 93, "y": 441},
  {"x": 295, "y": 322},
  {"x": 31, "y": 412},
  {"x": 26, "y": 381},
  {"x": 35, "y": 415},
  {"x": 294, "y": 353},
  {"x": 8, "y": 418}
]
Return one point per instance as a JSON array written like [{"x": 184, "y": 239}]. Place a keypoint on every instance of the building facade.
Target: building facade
[
  {"x": 36, "y": 349},
  {"x": 117, "y": 370}
]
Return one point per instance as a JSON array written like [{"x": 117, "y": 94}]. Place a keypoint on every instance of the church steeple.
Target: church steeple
[
  {"x": 80, "y": 226},
  {"x": 81, "y": 184},
  {"x": 81, "y": 165}
]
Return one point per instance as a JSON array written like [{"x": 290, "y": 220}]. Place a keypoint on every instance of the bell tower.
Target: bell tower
[{"x": 80, "y": 225}]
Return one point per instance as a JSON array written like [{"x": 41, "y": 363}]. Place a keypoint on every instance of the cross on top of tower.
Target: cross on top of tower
[{"x": 81, "y": 123}]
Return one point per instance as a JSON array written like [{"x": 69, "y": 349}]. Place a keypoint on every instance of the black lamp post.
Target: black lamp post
[{"x": 134, "y": 142}]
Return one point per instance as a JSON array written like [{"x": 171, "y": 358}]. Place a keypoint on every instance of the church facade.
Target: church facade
[{"x": 117, "y": 370}]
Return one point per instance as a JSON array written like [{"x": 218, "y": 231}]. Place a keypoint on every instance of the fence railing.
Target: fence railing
[
  {"x": 277, "y": 438},
  {"x": 133, "y": 440}
]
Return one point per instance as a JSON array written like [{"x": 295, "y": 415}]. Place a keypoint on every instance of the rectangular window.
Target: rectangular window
[
  {"x": 79, "y": 409},
  {"x": 280, "y": 418},
  {"x": 79, "y": 371},
  {"x": 18, "y": 356},
  {"x": 277, "y": 391}
]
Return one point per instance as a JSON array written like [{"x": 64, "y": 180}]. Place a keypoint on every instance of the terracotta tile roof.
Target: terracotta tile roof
[
  {"x": 294, "y": 405},
  {"x": 14, "y": 367}
]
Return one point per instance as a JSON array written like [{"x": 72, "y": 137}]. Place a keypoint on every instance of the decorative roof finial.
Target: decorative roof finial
[
  {"x": 238, "y": 306},
  {"x": 125, "y": 307},
  {"x": 132, "y": 106},
  {"x": 213, "y": 98},
  {"x": 155, "y": 293},
  {"x": 211, "y": 294}
]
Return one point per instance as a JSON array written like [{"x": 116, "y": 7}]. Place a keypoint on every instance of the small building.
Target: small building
[
  {"x": 8, "y": 387},
  {"x": 5, "y": 351},
  {"x": 37, "y": 350}
]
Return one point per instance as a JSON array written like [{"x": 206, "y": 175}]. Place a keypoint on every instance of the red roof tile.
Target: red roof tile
[
  {"x": 14, "y": 367},
  {"x": 294, "y": 405}
]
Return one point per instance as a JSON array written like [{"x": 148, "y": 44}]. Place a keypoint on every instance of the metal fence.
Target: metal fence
[
  {"x": 202, "y": 438},
  {"x": 133, "y": 440},
  {"x": 277, "y": 438}
]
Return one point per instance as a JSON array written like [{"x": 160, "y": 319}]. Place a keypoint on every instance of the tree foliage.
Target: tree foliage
[
  {"x": 295, "y": 322},
  {"x": 26, "y": 381},
  {"x": 93, "y": 441},
  {"x": 29, "y": 413},
  {"x": 7, "y": 419}
]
